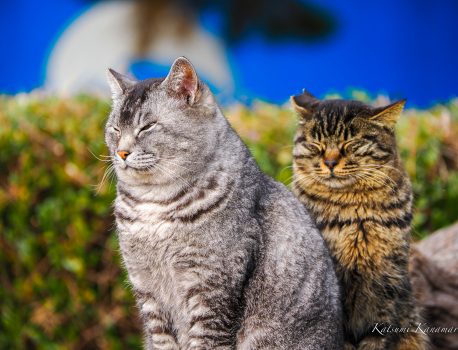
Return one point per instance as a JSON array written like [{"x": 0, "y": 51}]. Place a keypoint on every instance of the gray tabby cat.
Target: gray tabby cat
[{"x": 219, "y": 255}]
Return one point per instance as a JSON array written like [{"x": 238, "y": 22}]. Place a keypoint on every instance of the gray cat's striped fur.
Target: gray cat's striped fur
[{"x": 219, "y": 255}]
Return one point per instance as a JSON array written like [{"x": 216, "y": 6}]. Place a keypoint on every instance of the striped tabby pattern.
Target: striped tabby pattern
[
  {"x": 349, "y": 175},
  {"x": 219, "y": 255}
]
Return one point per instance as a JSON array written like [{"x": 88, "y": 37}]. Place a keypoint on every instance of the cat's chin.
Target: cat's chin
[
  {"x": 337, "y": 182},
  {"x": 141, "y": 176},
  {"x": 134, "y": 176}
]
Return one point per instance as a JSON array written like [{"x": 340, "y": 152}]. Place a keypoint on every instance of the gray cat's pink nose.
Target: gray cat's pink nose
[{"x": 123, "y": 154}]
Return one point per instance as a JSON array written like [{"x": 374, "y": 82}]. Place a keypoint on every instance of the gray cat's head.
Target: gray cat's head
[{"x": 161, "y": 130}]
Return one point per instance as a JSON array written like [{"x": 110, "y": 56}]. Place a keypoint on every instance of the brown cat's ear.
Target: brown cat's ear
[
  {"x": 304, "y": 104},
  {"x": 118, "y": 83},
  {"x": 182, "y": 80},
  {"x": 388, "y": 115}
]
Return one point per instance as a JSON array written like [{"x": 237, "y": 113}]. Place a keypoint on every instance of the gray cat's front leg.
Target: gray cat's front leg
[
  {"x": 157, "y": 328},
  {"x": 204, "y": 333},
  {"x": 209, "y": 324}
]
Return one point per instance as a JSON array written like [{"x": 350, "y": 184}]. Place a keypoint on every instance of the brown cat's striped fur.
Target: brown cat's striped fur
[{"x": 348, "y": 173}]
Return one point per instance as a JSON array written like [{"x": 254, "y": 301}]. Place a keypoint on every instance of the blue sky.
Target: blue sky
[{"x": 400, "y": 48}]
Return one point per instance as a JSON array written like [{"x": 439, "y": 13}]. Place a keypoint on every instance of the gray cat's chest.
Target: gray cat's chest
[{"x": 147, "y": 244}]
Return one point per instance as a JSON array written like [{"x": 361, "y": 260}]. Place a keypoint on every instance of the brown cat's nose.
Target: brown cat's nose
[
  {"x": 331, "y": 158},
  {"x": 330, "y": 163},
  {"x": 123, "y": 154}
]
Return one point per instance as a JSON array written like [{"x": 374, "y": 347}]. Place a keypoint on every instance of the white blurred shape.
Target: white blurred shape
[{"x": 104, "y": 37}]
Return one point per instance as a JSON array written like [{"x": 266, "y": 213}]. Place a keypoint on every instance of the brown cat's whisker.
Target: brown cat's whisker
[{"x": 382, "y": 176}]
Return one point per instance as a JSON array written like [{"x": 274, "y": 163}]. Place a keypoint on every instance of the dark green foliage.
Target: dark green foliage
[
  {"x": 61, "y": 281},
  {"x": 62, "y": 285}
]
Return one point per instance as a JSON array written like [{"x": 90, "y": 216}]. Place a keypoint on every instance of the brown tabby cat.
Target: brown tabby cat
[{"x": 348, "y": 173}]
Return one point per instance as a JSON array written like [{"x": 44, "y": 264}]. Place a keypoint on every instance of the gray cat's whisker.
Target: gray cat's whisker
[
  {"x": 101, "y": 159},
  {"x": 170, "y": 161},
  {"x": 181, "y": 160},
  {"x": 171, "y": 175},
  {"x": 109, "y": 170}
]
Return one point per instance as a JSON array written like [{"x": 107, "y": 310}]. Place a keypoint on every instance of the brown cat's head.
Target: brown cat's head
[{"x": 342, "y": 143}]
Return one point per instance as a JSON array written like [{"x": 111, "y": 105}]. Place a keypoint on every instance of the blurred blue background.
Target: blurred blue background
[{"x": 400, "y": 48}]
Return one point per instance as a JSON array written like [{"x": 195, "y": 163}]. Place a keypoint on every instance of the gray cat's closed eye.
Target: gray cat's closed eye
[{"x": 146, "y": 128}]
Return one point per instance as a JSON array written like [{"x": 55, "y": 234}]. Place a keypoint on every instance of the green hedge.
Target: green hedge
[{"x": 61, "y": 282}]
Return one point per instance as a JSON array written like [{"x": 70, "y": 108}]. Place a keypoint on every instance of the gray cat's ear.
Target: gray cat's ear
[
  {"x": 304, "y": 104},
  {"x": 118, "y": 83},
  {"x": 182, "y": 80},
  {"x": 388, "y": 115}
]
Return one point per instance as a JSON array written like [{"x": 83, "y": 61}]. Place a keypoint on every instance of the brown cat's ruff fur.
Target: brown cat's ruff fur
[{"x": 363, "y": 208}]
